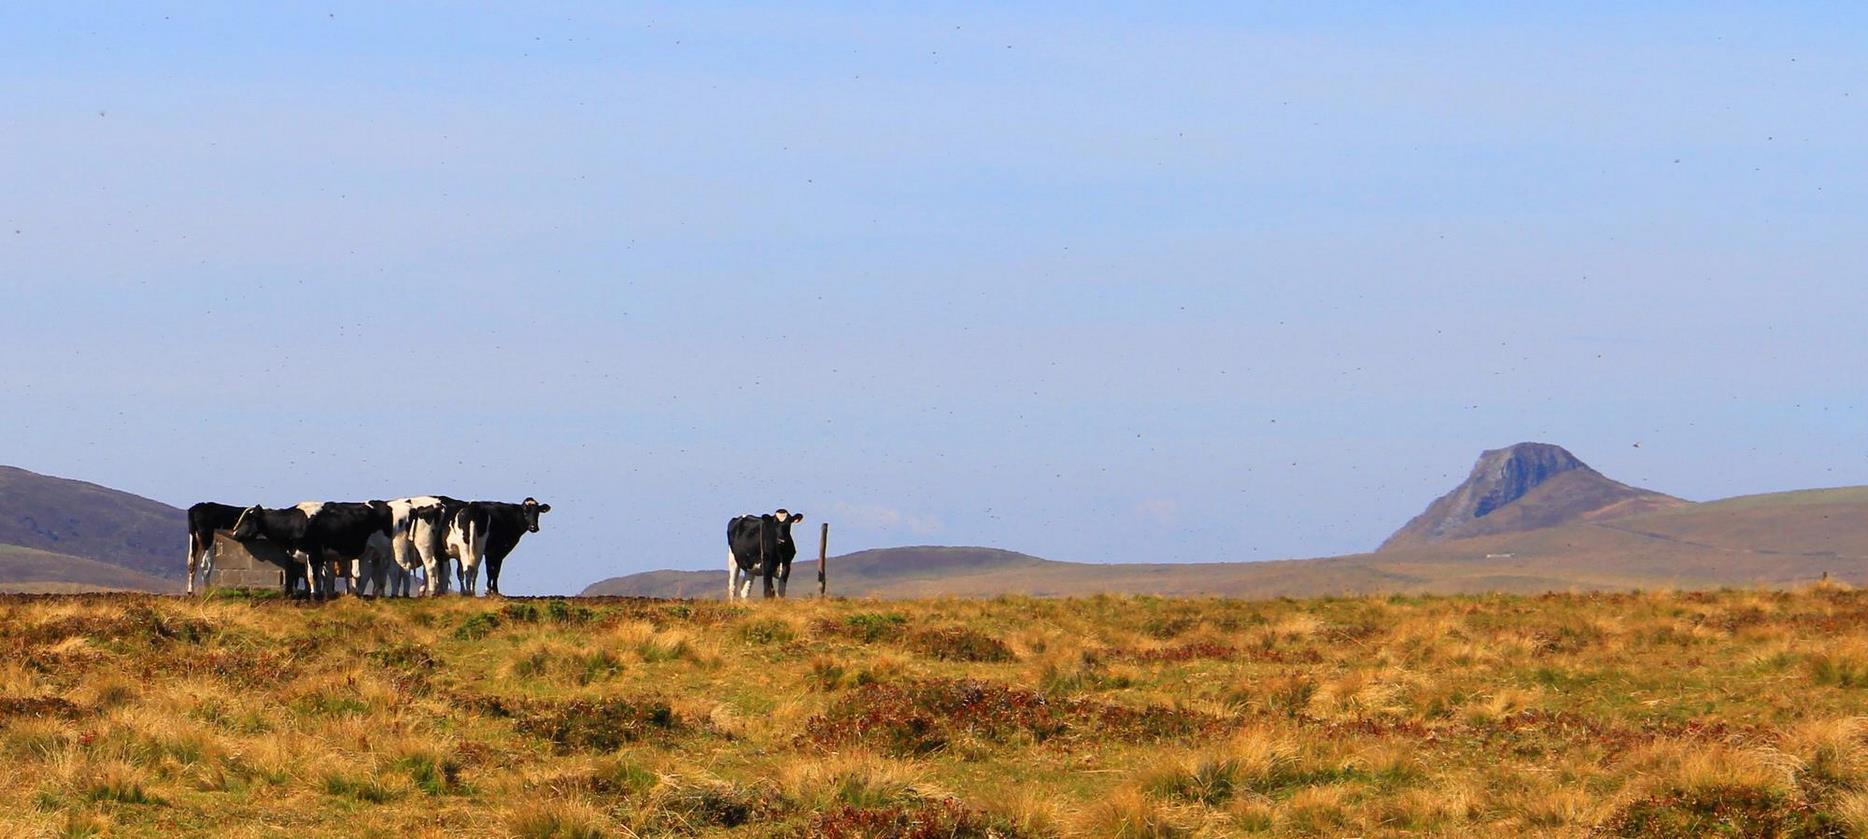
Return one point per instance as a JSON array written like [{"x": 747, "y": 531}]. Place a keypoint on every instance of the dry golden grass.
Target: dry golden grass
[{"x": 1649, "y": 714}]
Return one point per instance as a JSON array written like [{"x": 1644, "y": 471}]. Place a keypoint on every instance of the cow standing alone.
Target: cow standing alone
[{"x": 762, "y": 546}]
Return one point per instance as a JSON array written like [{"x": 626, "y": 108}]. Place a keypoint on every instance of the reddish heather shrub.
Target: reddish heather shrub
[
  {"x": 919, "y": 717},
  {"x": 1183, "y": 652},
  {"x": 958, "y": 644},
  {"x": 938, "y": 819},
  {"x": 1732, "y": 810},
  {"x": 596, "y": 725},
  {"x": 866, "y": 627},
  {"x": 38, "y": 706}
]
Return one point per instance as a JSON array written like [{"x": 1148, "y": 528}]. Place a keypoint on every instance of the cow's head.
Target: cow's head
[
  {"x": 533, "y": 510},
  {"x": 247, "y": 526},
  {"x": 786, "y": 519}
]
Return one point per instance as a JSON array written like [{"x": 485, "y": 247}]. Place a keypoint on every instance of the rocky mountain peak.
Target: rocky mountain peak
[
  {"x": 1524, "y": 487},
  {"x": 1504, "y": 475}
]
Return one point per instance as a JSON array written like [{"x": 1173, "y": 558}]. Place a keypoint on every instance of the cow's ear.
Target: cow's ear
[
  {"x": 544, "y": 508},
  {"x": 797, "y": 517}
]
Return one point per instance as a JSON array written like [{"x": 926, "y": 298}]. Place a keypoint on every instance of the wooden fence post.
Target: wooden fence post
[{"x": 823, "y": 557}]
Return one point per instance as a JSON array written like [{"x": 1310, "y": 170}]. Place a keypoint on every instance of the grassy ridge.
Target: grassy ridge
[
  {"x": 1778, "y": 540},
  {"x": 28, "y": 570},
  {"x": 1631, "y": 714}
]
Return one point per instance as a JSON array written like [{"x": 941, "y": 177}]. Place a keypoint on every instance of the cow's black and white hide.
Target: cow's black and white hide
[
  {"x": 484, "y": 533},
  {"x": 203, "y": 519},
  {"x": 759, "y": 546},
  {"x": 355, "y": 536},
  {"x": 418, "y": 531}
]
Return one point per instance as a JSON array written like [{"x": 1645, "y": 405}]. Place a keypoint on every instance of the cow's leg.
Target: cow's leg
[
  {"x": 431, "y": 573},
  {"x": 385, "y": 579},
  {"x": 210, "y": 553},
  {"x": 784, "y": 573},
  {"x": 492, "y": 576},
  {"x": 766, "y": 573},
  {"x": 194, "y": 551},
  {"x": 311, "y": 572},
  {"x": 732, "y": 574},
  {"x": 378, "y": 561},
  {"x": 326, "y": 586},
  {"x": 470, "y": 573}
]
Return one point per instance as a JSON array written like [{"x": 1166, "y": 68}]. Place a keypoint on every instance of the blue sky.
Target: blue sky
[{"x": 1096, "y": 282}]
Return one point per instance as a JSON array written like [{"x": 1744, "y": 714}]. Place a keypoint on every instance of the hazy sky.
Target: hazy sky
[{"x": 1095, "y": 282}]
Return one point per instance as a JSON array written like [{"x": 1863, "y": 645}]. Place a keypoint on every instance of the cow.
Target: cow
[
  {"x": 203, "y": 519},
  {"x": 322, "y": 532},
  {"x": 762, "y": 546},
  {"x": 485, "y": 532},
  {"x": 418, "y": 530}
]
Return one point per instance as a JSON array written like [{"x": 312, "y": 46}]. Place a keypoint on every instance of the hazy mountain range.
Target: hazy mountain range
[{"x": 1530, "y": 517}]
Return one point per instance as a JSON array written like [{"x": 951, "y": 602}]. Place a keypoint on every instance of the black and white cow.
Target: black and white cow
[
  {"x": 320, "y": 533},
  {"x": 203, "y": 519},
  {"x": 418, "y": 533},
  {"x": 759, "y": 546},
  {"x": 485, "y": 532}
]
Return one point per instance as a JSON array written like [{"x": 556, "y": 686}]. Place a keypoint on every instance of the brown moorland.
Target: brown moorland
[{"x": 1630, "y": 714}]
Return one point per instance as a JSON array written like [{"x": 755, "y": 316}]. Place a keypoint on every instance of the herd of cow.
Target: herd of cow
[
  {"x": 379, "y": 547},
  {"x": 375, "y": 547}
]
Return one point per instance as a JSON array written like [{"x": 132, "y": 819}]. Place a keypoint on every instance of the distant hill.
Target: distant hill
[
  {"x": 1770, "y": 540},
  {"x": 36, "y": 571},
  {"x": 1526, "y": 487},
  {"x": 863, "y": 572},
  {"x": 59, "y": 516}
]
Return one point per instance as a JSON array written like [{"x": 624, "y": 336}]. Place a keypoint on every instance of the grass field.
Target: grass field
[{"x": 1647, "y": 714}]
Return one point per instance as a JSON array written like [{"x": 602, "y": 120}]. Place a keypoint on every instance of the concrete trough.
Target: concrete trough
[{"x": 258, "y": 564}]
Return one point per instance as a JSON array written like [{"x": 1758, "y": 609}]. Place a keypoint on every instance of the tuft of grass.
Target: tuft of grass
[
  {"x": 559, "y": 610},
  {"x": 431, "y": 773},
  {"x": 1132, "y": 814},
  {"x": 868, "y": 627},
  {"x": 118, "y": 784},
  {"x": 554, "y": 820},
  {"x": 477, "y": 626},
  {"x": 1838, "y": 668},
  {"x": 368, "y": 789},
  {"x": 621, "y": 777},
  {"x": 765, "y": 631},
  {"x": 706, "y": 802},
  {"x": 80, "y": 825}
]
